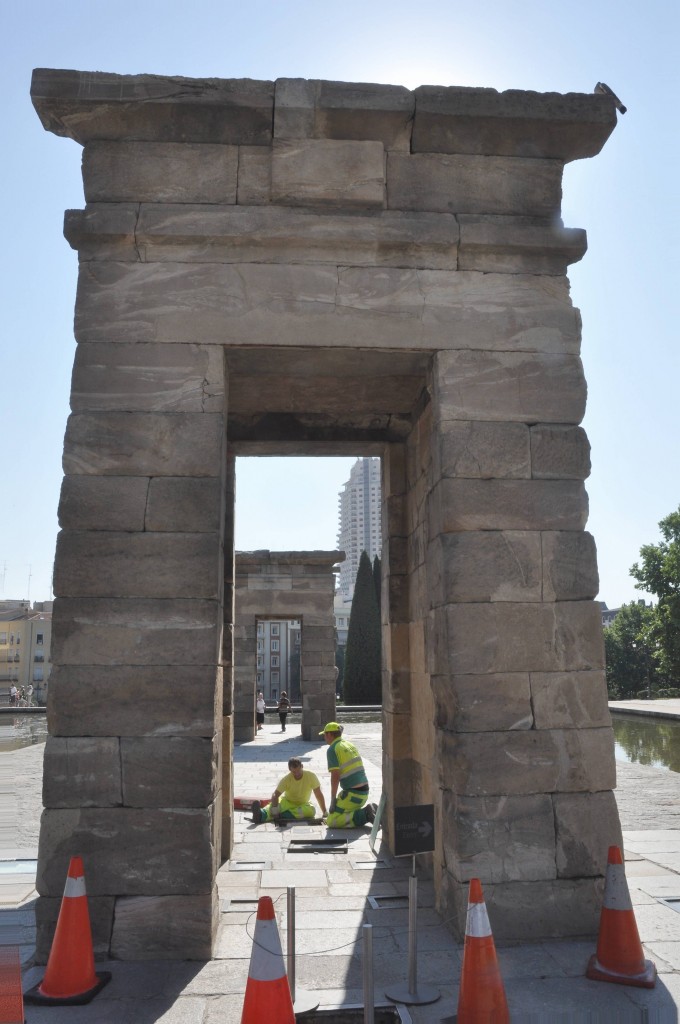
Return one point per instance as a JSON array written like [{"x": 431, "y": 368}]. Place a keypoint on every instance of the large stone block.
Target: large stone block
[
  {"x": 458, "y": 119},
  {"x": 506, "y": 637},
  {"x": 355, "y": 307},
  {"x": 517, "y": 245},
  {"x": 488, "y": 565},
  {"x": 100, "y": 909},
  {"x": 108, "y": 564},
  {"x": 483, "y": 703},
  {"x": 134, "y": 700},
  {"x": 559, "y": 452},
  {"x": 82, "y": 772},
  {"x": 323, "y": 172},
  {"x": 509, "y": 386},
  {"x": 128, "y": 851},
  {"x": 144, "y": 444},
  {"x": 254, "y": 176},
  {"x": 173, "y": 771},
  {"x": 482, "y": 449},
  {"x": 587, "y": 825},
  {"x": 508, "y": 505},
  {"x": 165, "y": 927},
  {"x": 312, "y": 109},
  {"x": 544, "y": 909},
  {"x": 254, "y": 233},
  {"x": 103, "y": 503},
  {"x": 148, "y": 378},
  {"x": 177, "y": 504},
  {"x": 159, "y": 172},
  {"x": 569, "y": 700},
  {"x": 499, "y": 839},
  {"x": 87, "y": 106},
  {"x": 527, "y": 761},
  {"x": 569, "y": 566},
  {"x": 135, "y": 631},
  {"x": 474, "y": 184}
]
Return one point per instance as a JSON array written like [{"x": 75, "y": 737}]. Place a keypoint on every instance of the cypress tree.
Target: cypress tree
[
  {"x": 377, "y": 580},
  {"x": 362, "y": 682}
]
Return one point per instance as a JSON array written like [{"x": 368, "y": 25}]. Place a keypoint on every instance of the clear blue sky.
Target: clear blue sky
[{"x": 626, "y": 198}]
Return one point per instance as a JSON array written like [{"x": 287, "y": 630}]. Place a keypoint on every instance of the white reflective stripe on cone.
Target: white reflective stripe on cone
[
  {"x": 616, "y": 895},
  {"x": 266, "y": 962},
  {"x": 74, "y": 886},
  {"x": 477, "y": 925}
]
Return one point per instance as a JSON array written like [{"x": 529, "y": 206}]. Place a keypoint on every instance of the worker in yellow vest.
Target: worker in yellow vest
[{"x": 348, "y": 807}]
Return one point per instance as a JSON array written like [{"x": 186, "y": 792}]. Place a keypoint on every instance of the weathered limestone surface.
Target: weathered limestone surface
[
  {"x": 304, "y": 267},
  {"x": 505, "y": 318},
  {"x": 501, "y": 839},
  {"x": 82, "y": 772},
  {"x": 136, "y": 631},
  {"x": 323, "y": 172},
  {"x": 166, "y": 851},
  {"x": 516, "y": 637},
  {"x": 151, "y": 444},
  {"x": 134, "y": 700},
  {"x": 152, "y": 172},
  {"x": 165, "y": 927},
  {"x": 100, "y": 909},
  {"x": 107, "y": 564}
]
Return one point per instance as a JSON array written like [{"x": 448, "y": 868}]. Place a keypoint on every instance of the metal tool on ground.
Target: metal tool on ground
[
  {"x": 377, "y": 823},
  {"x": 11, "y": 998},
  {"x": 619, "y": 957},
  {"x": 245, "y": 803},
  {"x": 267, "y": 997},
  {"x": 303, "y": 1002},
  {"x": 70, "y": 978}
]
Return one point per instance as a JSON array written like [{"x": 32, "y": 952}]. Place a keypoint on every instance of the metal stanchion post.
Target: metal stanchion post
[
  {"x": 369, "y": 1001},
  {"x": 303, "y": 1002},
  {"x": 410, "y": 993}
]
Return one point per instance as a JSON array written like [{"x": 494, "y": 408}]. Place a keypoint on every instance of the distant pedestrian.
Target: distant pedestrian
[
  {"x": 284, "y": 708},
  {"x": 13, "y": 696},
  {"x": 260, "y": 706},
  {"x": 29, "y": 694}
]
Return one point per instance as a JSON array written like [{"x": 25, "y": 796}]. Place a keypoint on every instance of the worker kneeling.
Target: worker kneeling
[
  {"x": 347, "y": 808},
  {"x": 290, "y": 799}
]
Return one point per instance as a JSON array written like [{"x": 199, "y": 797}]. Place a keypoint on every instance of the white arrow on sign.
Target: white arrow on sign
[{"x": 425, "y": 829}]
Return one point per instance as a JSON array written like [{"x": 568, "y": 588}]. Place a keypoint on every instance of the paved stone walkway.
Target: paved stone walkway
[{"x": 337, "y": 893}]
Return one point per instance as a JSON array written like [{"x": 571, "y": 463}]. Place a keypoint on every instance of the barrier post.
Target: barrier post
[
  {"x": 303, "y": 1002},
  {"x": 369, "y": 1000},
  {"x": 409, "y": 993}
]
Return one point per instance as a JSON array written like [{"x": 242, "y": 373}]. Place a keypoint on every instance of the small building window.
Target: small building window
[
  {"x": 275, "y": 645},
  {"x": 275, "y": 629},
  {"x": 39, "y": 638}
]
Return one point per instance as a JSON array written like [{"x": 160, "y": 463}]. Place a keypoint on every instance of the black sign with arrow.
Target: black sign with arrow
[{"x": 413, "y": 829}]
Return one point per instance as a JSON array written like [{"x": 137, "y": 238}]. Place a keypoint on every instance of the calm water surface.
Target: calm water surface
[
  {"x": 22, "y": 731},
  {"x": 652, "y": 741}
]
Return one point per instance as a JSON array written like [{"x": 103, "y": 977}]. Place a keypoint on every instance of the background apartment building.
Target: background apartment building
[
  {"x": 359, "y": 520},
  {"x": 278, "y": 658},
  {"x": 25, "y": 638}
]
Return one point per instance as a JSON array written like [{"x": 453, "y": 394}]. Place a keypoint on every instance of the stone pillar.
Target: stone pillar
[
  {"x": 132, "y": 760},
  {"x": 287, "y": 585},
  {"x": 523, "y": 734},
  {"x": 228, "y": 660}
]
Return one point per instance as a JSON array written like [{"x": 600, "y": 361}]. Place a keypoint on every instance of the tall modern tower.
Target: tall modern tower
[{"x": 359, "y": 526}]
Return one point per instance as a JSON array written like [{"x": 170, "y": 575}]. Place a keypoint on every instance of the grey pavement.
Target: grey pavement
[{"x": 336, "y": 893}]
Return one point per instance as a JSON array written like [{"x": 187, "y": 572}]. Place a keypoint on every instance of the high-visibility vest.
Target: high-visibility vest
[{"x": 349, "y": 761}]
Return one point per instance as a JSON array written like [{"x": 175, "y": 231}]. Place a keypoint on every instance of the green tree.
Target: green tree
[
  {"x": 631, "y": 671},
  {"x": 658, "y": 573},
  {"x": 377, "y": 580},
  {"x": 362, "y": 682}
]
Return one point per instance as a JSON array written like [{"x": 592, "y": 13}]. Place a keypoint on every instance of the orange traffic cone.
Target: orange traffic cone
[
  {"x": 267, "y": 991},
  {"x": 11, "y": 999},
  {"x": 482, "y": 996},
  {"x": 69, "y": 975},
  {"x": 619, "y": 956}
]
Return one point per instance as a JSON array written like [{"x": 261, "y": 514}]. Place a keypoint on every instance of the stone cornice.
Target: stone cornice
[{"x": 88, "y": 106}]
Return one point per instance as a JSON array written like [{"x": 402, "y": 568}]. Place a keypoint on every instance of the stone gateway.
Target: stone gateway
[{"x": 309, "y": 267}]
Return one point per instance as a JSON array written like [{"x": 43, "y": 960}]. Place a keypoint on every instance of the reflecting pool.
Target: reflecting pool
[{"x": 652, "y": 741}]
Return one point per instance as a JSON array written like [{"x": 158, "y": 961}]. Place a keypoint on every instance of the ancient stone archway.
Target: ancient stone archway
[{"x": 316, "y": 267}]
